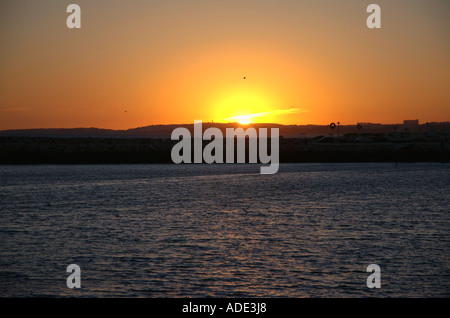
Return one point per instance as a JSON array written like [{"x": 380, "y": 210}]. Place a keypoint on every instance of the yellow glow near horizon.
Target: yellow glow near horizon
[
  {"x": 241, "y": 105},
  {"x": 251, "y": 118},
  {"x": 243, "y": 120}
]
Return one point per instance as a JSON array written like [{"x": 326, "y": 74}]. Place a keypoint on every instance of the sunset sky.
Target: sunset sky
[{"x": 137, "y": 63}]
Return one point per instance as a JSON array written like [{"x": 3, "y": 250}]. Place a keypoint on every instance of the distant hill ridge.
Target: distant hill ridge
[{"x": 165, "y": 131}]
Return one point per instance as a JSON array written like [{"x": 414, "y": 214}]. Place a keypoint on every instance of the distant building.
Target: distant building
[{"x": 411, "y": 123}]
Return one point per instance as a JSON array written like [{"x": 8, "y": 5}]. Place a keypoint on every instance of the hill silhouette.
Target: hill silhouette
[
  {"x": 164, "y": 131},
  {"x": 152, "y": 144}
]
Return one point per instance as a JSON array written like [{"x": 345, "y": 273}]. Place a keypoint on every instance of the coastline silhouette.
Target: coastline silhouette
[{"x": 152, "y": 144}]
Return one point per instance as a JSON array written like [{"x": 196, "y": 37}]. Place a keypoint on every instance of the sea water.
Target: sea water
[{"x": 310, "y": 230}]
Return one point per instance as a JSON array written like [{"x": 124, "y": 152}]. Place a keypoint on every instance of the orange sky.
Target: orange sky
[{"x": 137, "y": 63}]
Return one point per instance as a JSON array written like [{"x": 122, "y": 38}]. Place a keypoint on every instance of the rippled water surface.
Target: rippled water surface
[{"x": 310, "y": 230}]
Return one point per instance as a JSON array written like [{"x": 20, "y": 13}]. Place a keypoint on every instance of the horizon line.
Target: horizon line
[{"x": 220, "y": 123}]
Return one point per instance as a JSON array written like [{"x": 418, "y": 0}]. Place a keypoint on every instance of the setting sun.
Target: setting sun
[
  {"x": 265, "y": 117},
  {"x": 243, "y": 120},
  {"x": 239, "y": 105}
]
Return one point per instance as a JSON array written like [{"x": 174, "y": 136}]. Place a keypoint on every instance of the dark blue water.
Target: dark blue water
[{"x": 310, "y": 230}]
